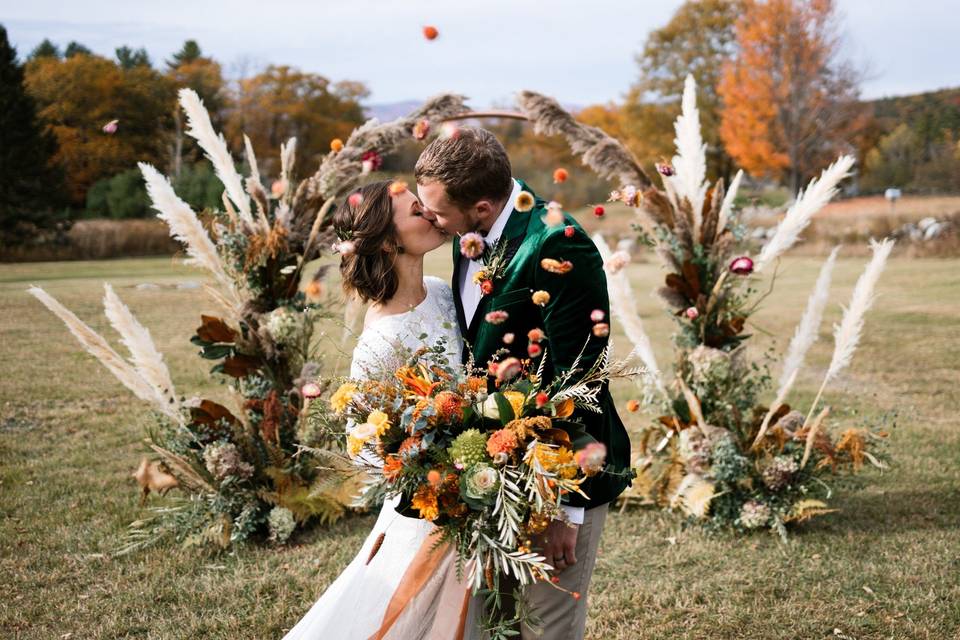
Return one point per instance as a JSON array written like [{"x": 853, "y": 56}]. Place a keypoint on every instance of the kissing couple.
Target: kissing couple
[{"x": 466, "y": 194}]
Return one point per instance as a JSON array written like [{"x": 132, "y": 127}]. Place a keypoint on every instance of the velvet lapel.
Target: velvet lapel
[
  {"x": 455, "y": 287},
  {"x": 513, "y": 234}
]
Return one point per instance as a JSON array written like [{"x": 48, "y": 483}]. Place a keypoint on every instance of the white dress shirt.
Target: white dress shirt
[{"x": 470, "y": 292}]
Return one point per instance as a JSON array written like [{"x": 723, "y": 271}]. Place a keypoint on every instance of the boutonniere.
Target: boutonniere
[{"x": 493, "y": 257}]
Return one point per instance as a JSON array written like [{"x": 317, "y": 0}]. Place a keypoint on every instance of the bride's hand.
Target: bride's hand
[{"x": 559, "y": 543}]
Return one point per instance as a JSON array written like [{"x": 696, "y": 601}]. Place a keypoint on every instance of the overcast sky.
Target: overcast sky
[{"x": 580, "y": 51}]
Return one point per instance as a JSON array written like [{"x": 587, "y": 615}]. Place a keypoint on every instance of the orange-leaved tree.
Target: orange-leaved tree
[
  {"x": 283, "y": 102},
  {"x": 76, "y": 96},
  {"x": 789, "y": 100}
]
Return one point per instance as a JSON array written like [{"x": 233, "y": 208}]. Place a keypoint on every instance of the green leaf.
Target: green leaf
[{"x": 504, "y": 407}]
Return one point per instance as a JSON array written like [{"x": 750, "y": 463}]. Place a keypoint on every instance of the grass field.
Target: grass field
[{"x": 886, "y": 566}]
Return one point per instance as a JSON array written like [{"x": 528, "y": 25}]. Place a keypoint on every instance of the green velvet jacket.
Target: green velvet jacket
[{"x": 565, "y": 320}]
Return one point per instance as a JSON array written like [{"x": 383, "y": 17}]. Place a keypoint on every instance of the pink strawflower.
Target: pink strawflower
[
  {"x": 591, "y": 458},
  {"x": 310, "y": 390},
  {"x": 472, "y": 245},
  {"x": 496, "y": 317}
]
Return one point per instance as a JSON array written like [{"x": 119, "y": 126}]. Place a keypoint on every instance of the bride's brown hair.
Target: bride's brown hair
[{"x": 368, "y": 270}]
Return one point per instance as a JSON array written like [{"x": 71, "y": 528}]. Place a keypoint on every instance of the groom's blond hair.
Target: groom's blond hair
[{"x": 471, "y": 165}]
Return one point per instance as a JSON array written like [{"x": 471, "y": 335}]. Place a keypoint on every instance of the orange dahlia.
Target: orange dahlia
[{"x": 502, "y": 441}]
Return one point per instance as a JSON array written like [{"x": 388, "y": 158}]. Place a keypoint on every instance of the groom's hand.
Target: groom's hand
[{"x": 559, "y": 544}]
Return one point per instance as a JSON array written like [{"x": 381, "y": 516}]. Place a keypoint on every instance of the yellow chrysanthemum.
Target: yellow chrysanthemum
[
  {"x": 354, "y": 446},
  {"x": 555, "y": 459},
  {"x": 524, "y": 201},
  {"x": 515, "y": 398},
  {"x": 380, "y": 421},
  {"x": 342, "y": 397}
]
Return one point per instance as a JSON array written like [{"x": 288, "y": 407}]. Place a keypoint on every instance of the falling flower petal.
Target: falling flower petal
[
  {"x": 524, "y": 202},
  {"x": 472, "y": 245},
  {"x": 617, "y": 261},
  {"x": 633, "y": 406},
  {"x": 692, "y": 313},
  {"x": 560, "y": 175},
  {"x": 508, "y": 369},
  {"x": 599, "y": 211},
  {"x": 111, "y": 127},
  {"x": 601, "y": 329},
  {"x": 397, "y": 187},
  {"x": 556, "y": 266},
  {"x": 430, "y": 32},
  {"x": 421, "y": 129},
  {"x": 540, "y": 297},
  {"x": 449, "y": 130},
  {"x": 534, "y": 350},
  {"x": 496, "y": 317},
  {"x": 355, "y": 199},
  {"x": 597, "y": 315},
  {"x": 310, "y": 390},
  {"x": 536, "y": 335},
  {"x": 336, "y": 145},
  {"x": 508, "y": 338},
  {"x": 568, "y": 231}
]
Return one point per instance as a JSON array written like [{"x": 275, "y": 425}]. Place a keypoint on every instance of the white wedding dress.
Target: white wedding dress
[{"x": 353, "y": 607}]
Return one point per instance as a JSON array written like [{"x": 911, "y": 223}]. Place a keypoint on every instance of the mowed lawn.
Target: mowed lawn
[{"x": 886, "y": 566}]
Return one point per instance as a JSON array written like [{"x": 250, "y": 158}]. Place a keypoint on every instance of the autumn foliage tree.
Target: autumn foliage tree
[
  {"x": 789, "y": 100},
  {"x": 698, "y": 40},
  {"x": 283, "y": 102},
  {"x": 76, "y": 96}
]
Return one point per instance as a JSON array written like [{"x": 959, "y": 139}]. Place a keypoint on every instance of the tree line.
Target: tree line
[{"x": 775, "y": 93}]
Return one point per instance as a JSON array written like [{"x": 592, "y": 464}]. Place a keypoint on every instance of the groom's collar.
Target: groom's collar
[{"x": 501, "y": 222}]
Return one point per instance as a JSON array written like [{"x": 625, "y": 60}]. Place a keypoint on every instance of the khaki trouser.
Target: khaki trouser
[{"x": 563, "y": 616}]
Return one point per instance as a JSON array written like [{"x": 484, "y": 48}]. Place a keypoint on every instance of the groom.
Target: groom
[{"x": 466, "y": 184}]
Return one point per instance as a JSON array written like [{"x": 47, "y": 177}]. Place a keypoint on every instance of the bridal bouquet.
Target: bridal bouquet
[{"x": 489, "y": 469}]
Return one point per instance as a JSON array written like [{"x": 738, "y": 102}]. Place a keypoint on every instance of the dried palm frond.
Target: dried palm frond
[
  {"x": 605, "y": 155},
  {"x": 817, "y": 194},
  {"x": 711, "y": 215},
  {"x": 806, "y": 509},
  {"x": 147, "y": 360}
]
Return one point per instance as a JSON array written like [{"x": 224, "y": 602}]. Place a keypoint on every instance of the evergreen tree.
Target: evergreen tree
[
  {"x": 45, "y": 49},
  {"x": 30, "y": 188},
  {"x": 130, "y": 58},
  {"x": 188, "y": 53},
  {"x": 76, "y": 49}
]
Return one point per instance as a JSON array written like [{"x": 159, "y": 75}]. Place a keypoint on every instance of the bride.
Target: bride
[{"x": 384, "y": 266}]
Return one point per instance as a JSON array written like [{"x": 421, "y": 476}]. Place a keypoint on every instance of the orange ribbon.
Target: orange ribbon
[{"x": 423, "y": 565}]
